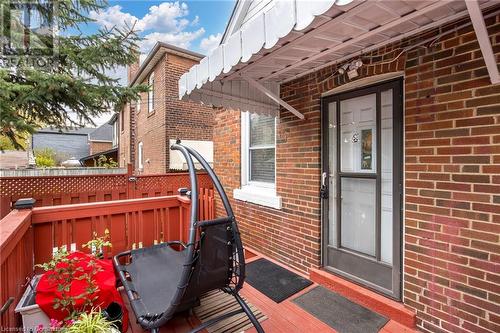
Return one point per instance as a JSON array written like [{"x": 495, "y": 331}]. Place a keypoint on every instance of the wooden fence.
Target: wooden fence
[
  {"x": 16, "y": 262},
  {"x": 61, "y": 190},
  {"x": 28, "y": 236}
]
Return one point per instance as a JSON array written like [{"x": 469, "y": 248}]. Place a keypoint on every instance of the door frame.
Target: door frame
[{"x": 398, "y": 171}]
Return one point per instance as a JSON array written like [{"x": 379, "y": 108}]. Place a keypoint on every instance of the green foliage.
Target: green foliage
[
  {"x": 64, "y": 270},
  {"x": 45, "y": 158},
  {"x": 6, "y": 143},
  {"x": 104, "y": 162},
  {"x": 97, "y": 244},
  {"x": 77, "y": 82},
  {"x": 92, "y": 322}
]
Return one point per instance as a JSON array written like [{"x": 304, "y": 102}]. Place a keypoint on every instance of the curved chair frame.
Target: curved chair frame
[{"x": 189, "y": 289}]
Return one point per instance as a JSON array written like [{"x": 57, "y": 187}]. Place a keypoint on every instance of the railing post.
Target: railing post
[
  {"x": 16, "y": 258},
  {"x": 25, "y": 203},
  {"x": 131, "y": 179}
]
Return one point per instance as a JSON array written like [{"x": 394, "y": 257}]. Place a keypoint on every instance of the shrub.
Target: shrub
[
  {"x": 6, "y": 143},
  {"x": 45, "y": 158},
  {"x": 104, "y": 162}
]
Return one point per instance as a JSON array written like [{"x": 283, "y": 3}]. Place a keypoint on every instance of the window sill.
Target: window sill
[
  {"x": 151, "y": 113},
  {"x": 258, "y": 195}
]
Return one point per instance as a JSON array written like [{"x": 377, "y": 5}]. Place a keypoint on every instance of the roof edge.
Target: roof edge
[
  {"x": 112, "y": 150},
  {"x": 169, "y": 48}
]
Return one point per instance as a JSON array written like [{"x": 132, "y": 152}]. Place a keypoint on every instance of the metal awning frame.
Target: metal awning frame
[
  {"x": 243, "y": 73},
  {"x": 479, "y": 25}
]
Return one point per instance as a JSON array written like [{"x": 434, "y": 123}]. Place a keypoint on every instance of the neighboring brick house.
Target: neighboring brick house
[
  {"x": 149, "y": 125},
  {"x": 391, "y": 180},
  {"x": 102, "y": 141}
]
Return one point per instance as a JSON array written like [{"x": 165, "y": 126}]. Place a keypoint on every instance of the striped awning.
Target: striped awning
[
  {"x": 293, "y": 37},
  {"x": 202, "y": 82}
]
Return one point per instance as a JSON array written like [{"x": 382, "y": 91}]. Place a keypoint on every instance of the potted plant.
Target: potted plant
[
  {"x": 91, "y": 322},
  {"x": 33, "y": 317},
  {"x": 97, "y": 244},
  {"x": 62, "y": 271}
]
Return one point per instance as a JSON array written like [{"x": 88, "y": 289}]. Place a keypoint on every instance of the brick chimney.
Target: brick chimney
[{"x": 132, "y": 69}]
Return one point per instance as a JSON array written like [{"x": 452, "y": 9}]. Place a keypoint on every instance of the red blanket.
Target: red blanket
[{"x": 46, "y": 290}]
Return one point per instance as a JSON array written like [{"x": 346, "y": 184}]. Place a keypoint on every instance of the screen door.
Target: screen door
[{"x": 362, "y": 185}]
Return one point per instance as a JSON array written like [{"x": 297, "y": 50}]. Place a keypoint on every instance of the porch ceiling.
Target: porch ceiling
[{"x": 290, "y": 40}]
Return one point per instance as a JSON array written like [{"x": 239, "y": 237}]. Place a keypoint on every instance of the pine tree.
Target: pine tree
[{"x": 77, "y": 81}]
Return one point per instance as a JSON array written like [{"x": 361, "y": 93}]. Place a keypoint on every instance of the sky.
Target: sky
[{"x": 196, "y": 25}]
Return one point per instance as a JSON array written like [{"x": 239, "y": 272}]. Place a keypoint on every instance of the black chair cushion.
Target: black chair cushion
[{"x": 155, "y": 273}]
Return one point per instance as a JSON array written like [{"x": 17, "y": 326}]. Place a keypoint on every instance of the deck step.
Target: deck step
[{"x": 393, "y": 310}]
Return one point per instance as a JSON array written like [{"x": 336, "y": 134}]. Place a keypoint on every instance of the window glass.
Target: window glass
[
  {"x": 358, "y": 134},
  {"x": 261, "y": 130},
  {"x": 358, "y": 214},
  {"x": 122, "y": 120},
  {"x": 261, "y": 154},
  {"x": 262, "y": 165},
  {"x": 151, "y": 92},
  {"x": 140, "y": 156},
  {"x": 115, "y": 133}
]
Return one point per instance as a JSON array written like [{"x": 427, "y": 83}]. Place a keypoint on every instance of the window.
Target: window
[
  {"x": 258, "y": 160},
  {"x": 151, "y": 92},
  {"x": 115, "y": 134},
  {"x": 140, "y": 156},
  {"x": 261, "y": 149},
  {"x": 122, "y": 120},
  {"x": 138, "y": 105}
]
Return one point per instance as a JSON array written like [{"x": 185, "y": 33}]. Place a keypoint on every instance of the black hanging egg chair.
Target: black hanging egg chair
[{"x": 161, "y": 281}]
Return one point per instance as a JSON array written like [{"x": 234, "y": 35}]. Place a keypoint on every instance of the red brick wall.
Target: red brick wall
[
  {"x": 97, "y": 147},
  {"x": 124, "y": 136},
  {"x": 452, "y": 224},
  {"x": 171, "y": 118},
  {"x": 150, "y": 127},
  {"x": 184, "y": 120},
  {"x": 452, "y": 182}
]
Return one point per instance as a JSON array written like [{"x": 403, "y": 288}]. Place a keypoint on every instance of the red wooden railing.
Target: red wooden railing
[
  {"x": 28, "y": 236},
  {"x": 16, "y": 262},
  {"x": 130, "y": 223},
  {"x": 206, "y": 204},
  {"x": 64, "y": 190}
]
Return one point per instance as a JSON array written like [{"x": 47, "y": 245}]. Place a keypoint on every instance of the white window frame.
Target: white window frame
[
  {"x": 138, "y": 105},
  {"x": 140, "y": 155},
  {"x": 261, "y": 193},
  {"x": 151, "y": 92},
  {"x": 115, "y": 133}
]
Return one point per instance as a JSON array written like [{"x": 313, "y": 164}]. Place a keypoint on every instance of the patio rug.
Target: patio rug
[
  {"x": 274, "y": 281},
  {"x": 340, "y": 313},
  {"x": 216, "y": 303}
]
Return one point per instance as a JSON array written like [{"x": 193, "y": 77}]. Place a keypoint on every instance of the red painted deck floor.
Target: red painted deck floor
[{"x": 285, "y": 317}]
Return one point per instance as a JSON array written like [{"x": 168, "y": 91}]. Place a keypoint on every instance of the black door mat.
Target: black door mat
[
  {"x": 274, "y": 281},
  {"x": 340, "y": 313}
]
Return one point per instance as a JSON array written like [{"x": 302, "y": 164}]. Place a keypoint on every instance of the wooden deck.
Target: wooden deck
[{"x": 285, "y": 317}]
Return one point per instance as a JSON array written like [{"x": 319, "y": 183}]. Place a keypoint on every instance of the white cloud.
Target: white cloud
[
  {"x": 209, "y": 43},
  {"x": 166, "y": 17},
  {"x": 196, "y": 21},
  {"x": 181, "y": 39},
  {"x": 113, "y": 16},
  {"x": 166, "y": 22}
]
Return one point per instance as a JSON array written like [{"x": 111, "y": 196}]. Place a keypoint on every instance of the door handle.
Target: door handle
[{"x": 323, "y": 192}]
